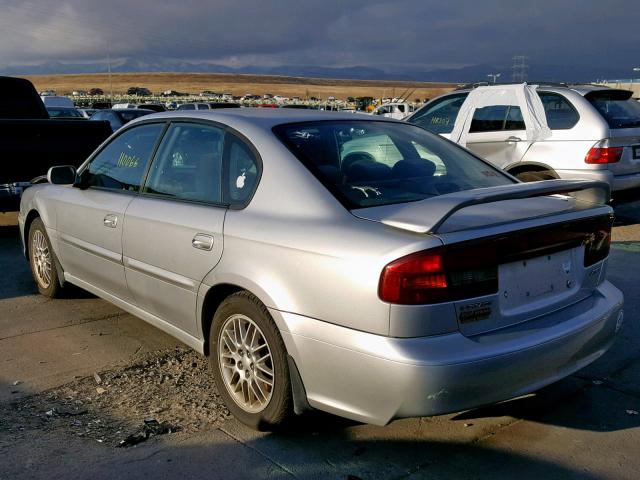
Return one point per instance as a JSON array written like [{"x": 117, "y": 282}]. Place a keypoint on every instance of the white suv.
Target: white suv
[{"x": 595, "y": 134}]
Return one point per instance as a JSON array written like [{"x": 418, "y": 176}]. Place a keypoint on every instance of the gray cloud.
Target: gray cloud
[{"x": 326, "y": 32}]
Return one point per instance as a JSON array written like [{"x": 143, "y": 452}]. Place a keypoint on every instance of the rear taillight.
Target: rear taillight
[
  {"x": 429, "y": 277},
  {"x": 601, "y": 155},
  {"x": 597, "y": 244},
  {"x": 469, "y": 269},
  {"x": 414, "y": 279}
]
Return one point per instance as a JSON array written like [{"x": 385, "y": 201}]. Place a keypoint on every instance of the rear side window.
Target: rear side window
[
  {"x": 497, "y": 118},
  {"x": 122, "y": 164},
  {"x": 188, "y": 165},
  {"x": 617, "y": 107},
  {"x": 440, "y": 115},
  {"x": 561, "y": 115},
  {"x": 372, "y": 163},
  {"x": 243, "y": 170}
]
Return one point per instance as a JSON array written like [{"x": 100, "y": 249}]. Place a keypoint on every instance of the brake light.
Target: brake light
[
  {"x": 414, "y": 279},
  {"x": 601, "y": 155}
]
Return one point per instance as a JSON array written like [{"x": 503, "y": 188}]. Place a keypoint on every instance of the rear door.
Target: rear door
[
  {"x": 173, "y": 232},
  {"x": 498, "y": 134},
  {"x": 90, "y": 220}
]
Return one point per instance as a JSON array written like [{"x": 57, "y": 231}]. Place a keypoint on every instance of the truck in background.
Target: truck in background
[{"x": 31, "y": 142}]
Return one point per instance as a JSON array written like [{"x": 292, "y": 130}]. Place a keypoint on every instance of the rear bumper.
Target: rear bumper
[
  {"x": 375, "y": 379},
  {"x": 616, "y": 182}
]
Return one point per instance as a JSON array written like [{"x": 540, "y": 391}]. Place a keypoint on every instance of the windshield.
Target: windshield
[
  {"x": 372, "y": 163},
  {"x": 617, "y": 107}
]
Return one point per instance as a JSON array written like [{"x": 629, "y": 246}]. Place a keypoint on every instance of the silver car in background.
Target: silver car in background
[
  {"x": 595, "y": 134},
  {"x": 360, "y": 266}
]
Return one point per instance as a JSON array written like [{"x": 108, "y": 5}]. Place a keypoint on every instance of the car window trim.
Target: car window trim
[
  {"x": 162, "y": 196},
  {"x": 571, "y": 105},
  {"x": 113, "y": 138},
  {"x": 226, "y": 129}
]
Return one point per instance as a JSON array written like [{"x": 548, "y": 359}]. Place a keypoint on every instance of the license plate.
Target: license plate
[
  {"x": 636, "y": 152},
  {"x": 536, "y": 279}
]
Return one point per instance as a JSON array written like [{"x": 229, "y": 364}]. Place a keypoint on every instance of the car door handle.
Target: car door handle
[
  {"x": 513, "y": 139},
  {"x": 110, "y": 220},
  {"x": 202, "y": 242}
]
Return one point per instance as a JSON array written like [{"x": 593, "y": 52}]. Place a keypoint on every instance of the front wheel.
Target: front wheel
[
  {"x": 42, "y": 261},
  {"x": 249, "y": 363}
]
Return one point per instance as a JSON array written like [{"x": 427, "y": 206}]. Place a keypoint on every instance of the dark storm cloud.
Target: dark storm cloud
[{"x": 326, "y": 32}]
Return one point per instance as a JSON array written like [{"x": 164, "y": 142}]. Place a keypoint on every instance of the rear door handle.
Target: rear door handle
[
  {"x": 513, "y": 139},
  {"x": 202, "y": 242},
  {"x": 110, "y": 220}
]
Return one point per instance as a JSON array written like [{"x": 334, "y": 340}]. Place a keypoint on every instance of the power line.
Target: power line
[{"x": 520, "y": 69}]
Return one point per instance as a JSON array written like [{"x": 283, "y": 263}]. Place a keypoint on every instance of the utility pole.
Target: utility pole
[
  {"x": 494, "y": 76},
  {"x": 109, "y": 70},
  {"x": 519, "y": 69}
]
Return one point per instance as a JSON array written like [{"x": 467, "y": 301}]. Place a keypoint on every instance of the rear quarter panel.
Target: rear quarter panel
[{"x": 300, "y": 251}]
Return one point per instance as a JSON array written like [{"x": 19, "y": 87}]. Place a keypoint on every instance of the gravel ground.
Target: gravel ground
[{"x": 163, "y": 392}]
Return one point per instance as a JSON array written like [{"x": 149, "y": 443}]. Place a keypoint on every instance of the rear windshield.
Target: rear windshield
[
  {"x": 372, "y": 163},
  {"x": 617, "y": 107},
  {"x": 129, "y": 115}
]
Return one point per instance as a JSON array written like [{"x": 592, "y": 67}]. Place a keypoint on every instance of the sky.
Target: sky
[{"x": 421, "y": 34}]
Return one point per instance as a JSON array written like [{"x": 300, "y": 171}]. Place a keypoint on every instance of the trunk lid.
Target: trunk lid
[{"x": 540, "y": 246}]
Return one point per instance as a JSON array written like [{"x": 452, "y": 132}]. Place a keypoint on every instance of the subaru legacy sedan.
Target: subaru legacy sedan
[{"x": 360, "y": 266}]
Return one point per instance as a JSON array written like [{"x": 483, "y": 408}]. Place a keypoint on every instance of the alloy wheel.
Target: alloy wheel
[
  {"x": 246, "y": 363},
  {"x": 41, "y": 259}
]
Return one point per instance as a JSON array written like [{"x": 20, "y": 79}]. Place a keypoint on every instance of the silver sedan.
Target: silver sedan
[{"x": 360, "y": 266}]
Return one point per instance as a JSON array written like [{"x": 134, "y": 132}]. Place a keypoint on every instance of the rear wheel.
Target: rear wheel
[
  {"x": 536, "y": 175},
  {"x": 249, "y": 363},
  {"x": 42, "y": 262}
]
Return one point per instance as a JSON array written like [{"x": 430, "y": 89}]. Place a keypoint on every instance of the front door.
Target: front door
[
  {"x": 90, "y": 220},
  {"x": 173, "y": 230}
]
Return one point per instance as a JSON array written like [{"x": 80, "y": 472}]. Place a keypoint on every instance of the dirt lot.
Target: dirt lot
[
  {"x": 88, "y": 391},
  {"x": 239, "y": 85}
]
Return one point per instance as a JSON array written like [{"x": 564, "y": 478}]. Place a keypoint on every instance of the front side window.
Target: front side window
[
  {"x": 188, "y": 165},
  {"x": 123, "y": 162},
  {"x": 372, "y": 163},
  {"x": 440, "y": 115}
]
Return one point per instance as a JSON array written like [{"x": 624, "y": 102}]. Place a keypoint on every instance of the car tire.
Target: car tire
[
  {"x": 536, "y": 175},
  {"x": 42, "y": 260},
  {"x": 249, "y": 363}
]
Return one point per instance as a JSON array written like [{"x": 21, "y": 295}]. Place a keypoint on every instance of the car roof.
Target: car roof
[
  {"x": 581, "y": 89},
  {"x": 263, "y": 118},
  {"x": 120, "y": 110}
]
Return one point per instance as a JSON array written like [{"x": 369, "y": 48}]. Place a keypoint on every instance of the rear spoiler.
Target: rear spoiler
[{"x": 434, "y": 212}]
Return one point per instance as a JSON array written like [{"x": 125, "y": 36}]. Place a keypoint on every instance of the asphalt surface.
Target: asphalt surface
[{"x": 586, "y": 426}]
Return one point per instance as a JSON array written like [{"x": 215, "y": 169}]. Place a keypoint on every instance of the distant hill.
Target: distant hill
[{"x": 472, "y": 73}]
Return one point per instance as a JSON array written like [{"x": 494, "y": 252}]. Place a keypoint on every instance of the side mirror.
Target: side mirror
[{"x": 63, "y": 175}]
